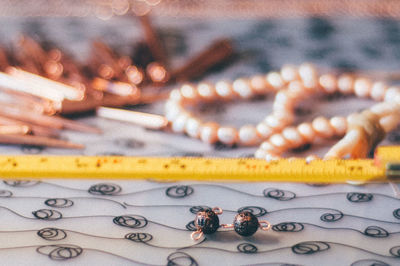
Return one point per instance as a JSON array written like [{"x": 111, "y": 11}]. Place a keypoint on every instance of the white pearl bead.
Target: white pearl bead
[
  {"x": 307, "y": 131},
  {"x": 275, "y": 80},
  {"x": 322, "y": 127},
  {"x": 175, "y": 95},
  {"x": 271, "y": 157},
  {"x": 308, "y": 74},
  {"x": 392, "y": 95},
  {"x": 378, "y": 91},
  {"x": 339, "y": 124},
  {"x": 289, "y": 73},
  {"x": 282, "y": 102},
  {"x": 260, "y": 154},
  {"x": 242, "y": 88},
  {"x": 390, "y": 122},
  {"x": 178, "y": 125},
  {"x": 328, "y": 83},
  {"x": 258, "y": 84},
  {"x": 385, "y": 108},
  {"x": 224, "y": 89},
  {"x": 206, "y": 90},
  {"x": 192, "y": 127},
  {"x": 274, "y": 122},
  {"x": 208, "y": 133},
  {"x": 296, "y": 90},
  {"x": 189, "y": 92},
  {"x": 248, "y": 135},
  {"x": 293, "y": 136},
  {"x": 311, "y": 158},
  {"x": 362, "y": 87},
  {"x": 345, "y": 83},
  {"x": 267, "y": 146},
  {"x": 172, "y": 110},
  {"x": 264, "y": 131},
  {"x": 227, "y": 135},
  {"x": 278, "y": 141}
]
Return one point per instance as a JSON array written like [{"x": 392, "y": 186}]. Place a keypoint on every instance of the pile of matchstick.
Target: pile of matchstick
[{"x": 39, "y": 83}]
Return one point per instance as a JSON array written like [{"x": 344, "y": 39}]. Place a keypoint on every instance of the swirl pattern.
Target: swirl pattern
[
  {"x": 376, "y": 231},
  {"x": 396, "y": 213},
  {"x": 247, "y": 248},
  {"x": 105, "y": 189},
  {"x": 288, "y": 227},
  {"x": 139, "y": 237},
  {"x": 181, "y": 258},
  {"x": 359, "y": 197},
  {"x": 21, "y": 183},
  {"x": 369, "y": 263},
  {"x": 59, "y": 203},
  {"x": 47, "y": 214},
  {"x": 60, "y": 252},
  {"x": 5, "y": 193},
  {"x": 331, "y": 217},
  {"x": 196, "y": 209},
  {"x": 395, "y": 251},
  {"x": 191, "y": 226},
  {"x": 179, "y": 191},
  {"x": 52, "y": 234},
  {"x": 133, "y": 221},
  {"x": 279, "y": 194},
  {"x": 310, "y": 247},
  {"x": 257, "y": 211}
]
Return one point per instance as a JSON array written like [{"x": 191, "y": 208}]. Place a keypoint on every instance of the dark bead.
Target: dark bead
[
  {"x": 207, "y": 221},
  {"x": 245, "y": 223}
]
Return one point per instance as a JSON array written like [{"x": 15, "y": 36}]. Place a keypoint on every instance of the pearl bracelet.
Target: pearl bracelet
[{"x": 182, "y": 121}]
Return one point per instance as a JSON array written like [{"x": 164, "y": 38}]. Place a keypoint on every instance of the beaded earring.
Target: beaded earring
[
  {"x": 246, "y": 224},
  {"x": 206, "y": 222}
]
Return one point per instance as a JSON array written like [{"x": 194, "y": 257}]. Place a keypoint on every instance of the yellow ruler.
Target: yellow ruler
[{"x": 384, "y": 167}]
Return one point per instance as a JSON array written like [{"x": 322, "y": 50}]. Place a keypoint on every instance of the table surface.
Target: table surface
[{"x": 145, "y": 222}]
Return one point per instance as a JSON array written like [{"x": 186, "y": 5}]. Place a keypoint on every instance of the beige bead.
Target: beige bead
[
  {"x": 296, "y": 90},
  {"x": 339, "y": 125},
  {"x": 293, "y": 136},
  {"x": 308, "y": 74},
  {"x": 258, "y": 84},
  {"x": 206, "y": 91},
  {"x": 362, "y": 87},
  {"x": 227, "y": 135},
  {"x": 282, "y": 102},
  {"x": 208, "y": 132},
  {"x": 274, "y": 122},
  {"x": 275, "y": 80},
  {"x": 392, "y": 95},
  {"x": 175, "y": 95},
  {"x": 328, "y": 83},
  {"x": 172, "y": 110},
  {"x": 307, "y": 131},
  {"x": 385, "y": 108},
  {"x": 322, "y": 127},
  {"x": 192, "y": 127},
  {"x": 286, "y": 118},
  {"x": 189, "y": 92},
  {"x": 390, "y": 122},
  {"x": 378, "y": 91},
  {"x": 345, "y": 83},
  {"x": 248, "y": 135},
  {"x": 242, "y": 88},
  {"x": 224, "y": 89},
  {"x": 178, "y": 125},
  {"x": 289, "y": 73},
  {"x": 279, "y": 141},
  {"x": 264, "y": 131},
  {"x": 260, "y": 154},
  {"x": 268, "y": 147}
]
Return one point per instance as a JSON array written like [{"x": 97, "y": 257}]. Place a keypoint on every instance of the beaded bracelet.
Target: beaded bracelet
[{"x": 183, "y": 121}]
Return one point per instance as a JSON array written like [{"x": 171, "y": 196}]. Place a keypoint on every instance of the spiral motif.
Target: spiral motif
[
  {"x": 139, "y": 237},
  {"x": 310, "y": 247},
  {"x": 359, "y": 197},
  {"x": 105, "y": 189},
  {"x": 396, "y": 213},
  {"x": 59, "y": 203},
  {"x": 47, "y": 214},
  {"x": 278, "y": 194},
  {"x": 129, "y": 143},
  {"x": 369, "y": 262},
  {"x": 134, "y": 221},
  {"x": 52, "y": 234},
  {"x": 288, "y": 227},
  {"x": 331, "y": 217},
  {"x": 179, "y": 191},
  {"x": 20, "y": 183},
  {"x": 60, "y": 252},
  {"x": 395, "y": 251},
  {"x": 5, "y": 193},
  {"x": 181, "y": 258},
  {"x": 247, "y": 248},
  {"x": 191, "y": 226},
  {"x": 376, "y": 231},
  {"x": 196, "y": 209},
  {"x": 255, "y": 210}
]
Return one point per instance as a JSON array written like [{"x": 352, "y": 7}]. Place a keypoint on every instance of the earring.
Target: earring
[
  {"x": 206, "y": 222},
  {"x": 246, "y": 224}
]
